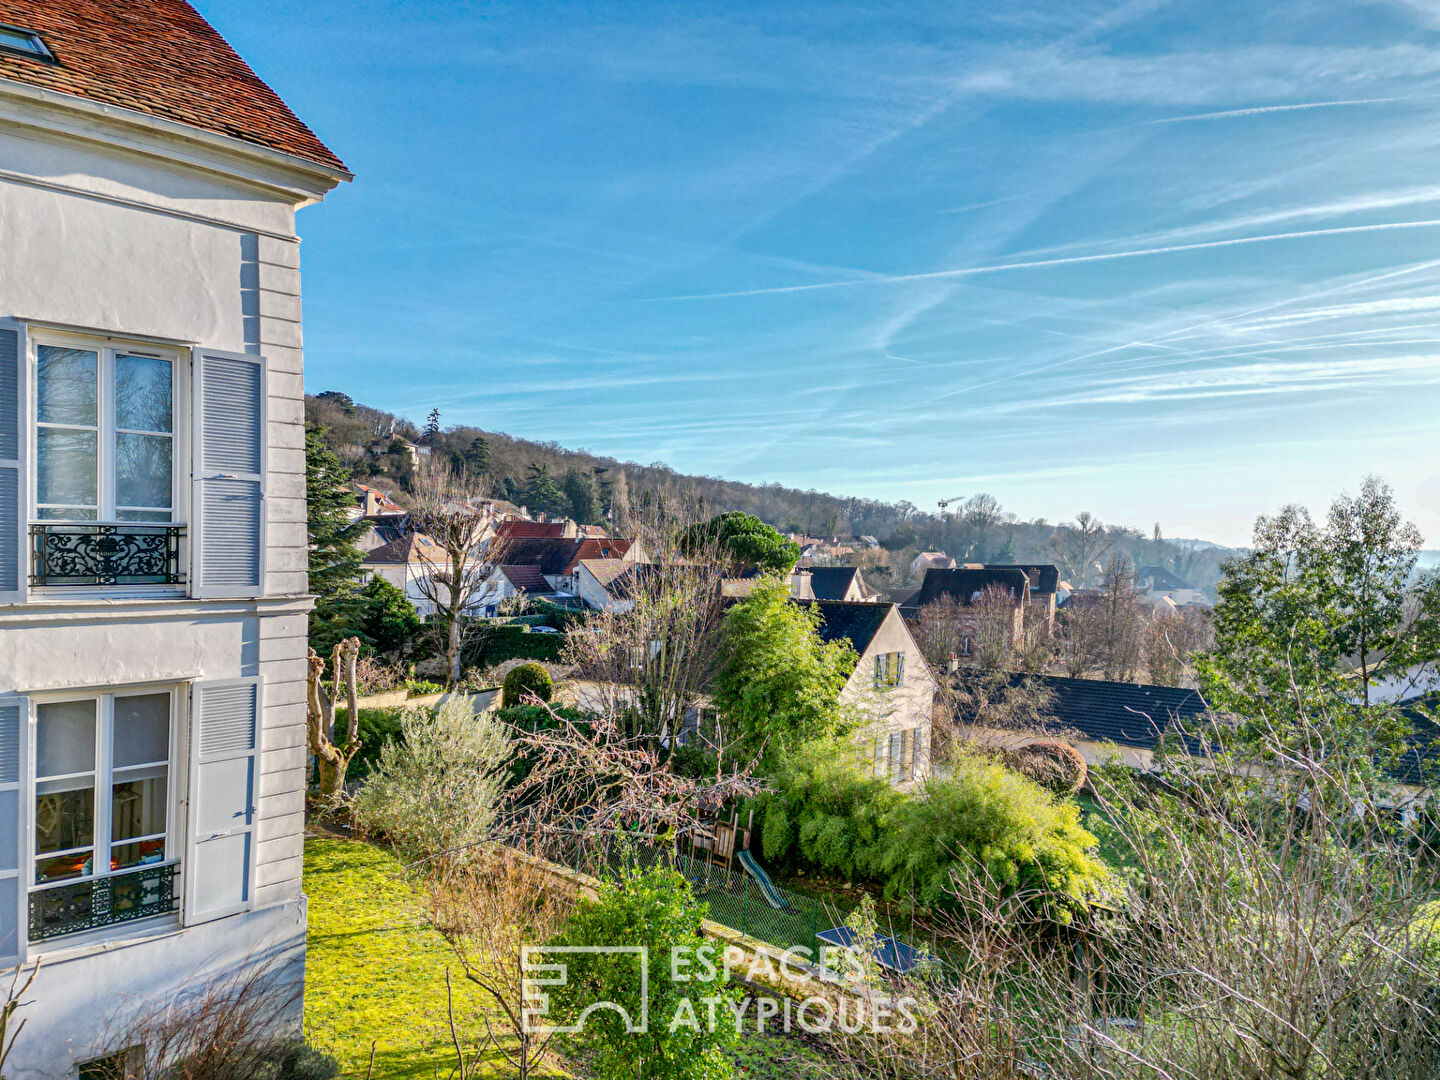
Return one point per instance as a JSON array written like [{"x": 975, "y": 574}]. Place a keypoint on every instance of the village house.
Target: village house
[
  {"x": 1156, "y": 584},
  {"x": 891, "y": 687},
  {"x": 153, "y": 596},
  {"x": 995, "y": 594},
  {"x": 839, "y": 583}
]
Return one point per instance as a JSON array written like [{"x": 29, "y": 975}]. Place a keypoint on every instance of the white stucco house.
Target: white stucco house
[{"x": 153, "y": 593}]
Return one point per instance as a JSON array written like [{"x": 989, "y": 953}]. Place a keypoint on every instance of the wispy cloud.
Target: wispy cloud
[
  {"x": 1261, "y": 110},
  {"x": 994, "y": 268}
]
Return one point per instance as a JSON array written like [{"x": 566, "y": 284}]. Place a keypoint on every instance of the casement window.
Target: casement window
[
  {"x": 129, "y": 464},
  {"x": 125, "y": 805},
  {"x": 104, "y": 847},
  {"x": 105, "y": 433},
  {"x": 889, "y": 670}
]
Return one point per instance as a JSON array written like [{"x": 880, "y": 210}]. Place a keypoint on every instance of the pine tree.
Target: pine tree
[
  {"x": 477, "y": 457},
  {"x": 579, "y": 489},
  {"x": 334, "y": 559},
  {"x": 432, "y": 424},
  {"x": 542, "y": 495}
]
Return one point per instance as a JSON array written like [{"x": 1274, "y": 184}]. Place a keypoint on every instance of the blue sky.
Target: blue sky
[{"x": 1165, "y": 261}]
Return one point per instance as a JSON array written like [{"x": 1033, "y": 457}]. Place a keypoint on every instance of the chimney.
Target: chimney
[{"x": 953, "y": 665}]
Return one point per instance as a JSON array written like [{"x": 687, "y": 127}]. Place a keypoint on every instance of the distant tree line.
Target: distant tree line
[{"x": 548, "y": 478}]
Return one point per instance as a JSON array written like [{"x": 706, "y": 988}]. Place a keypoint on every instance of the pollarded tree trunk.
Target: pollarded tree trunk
[{"x": 333, "y": 758}]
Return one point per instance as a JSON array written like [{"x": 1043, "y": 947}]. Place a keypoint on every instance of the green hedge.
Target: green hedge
[
  {"x": 490, "y": 645},
  {"x": 376, "y": 725}
]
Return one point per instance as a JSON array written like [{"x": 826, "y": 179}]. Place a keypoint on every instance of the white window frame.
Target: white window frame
[
  {"x": 177, "y": 783},
  {"x": 106, "y": 347}
]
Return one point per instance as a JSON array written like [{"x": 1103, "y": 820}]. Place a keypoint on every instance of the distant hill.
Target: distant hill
[{"x": 593, "y": 488}]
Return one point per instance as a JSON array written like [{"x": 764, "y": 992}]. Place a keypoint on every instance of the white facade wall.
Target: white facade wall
[
  {"x": 124, "y": 227},
  {"x": 907, "y": 707}
]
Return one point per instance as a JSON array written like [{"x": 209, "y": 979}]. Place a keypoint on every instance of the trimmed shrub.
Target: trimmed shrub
[
  {"x": 487, "y": 646},
  {"x": 526, "y": 680},
  {"x": 1055, "y": 766}
]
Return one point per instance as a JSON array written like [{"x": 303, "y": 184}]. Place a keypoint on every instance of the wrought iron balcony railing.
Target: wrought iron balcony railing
[
  {"x": 87, "y": 553},
  {"x": 103, "y": 901}
]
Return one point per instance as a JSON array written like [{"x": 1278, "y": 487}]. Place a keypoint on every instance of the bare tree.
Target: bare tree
[
  {"x": 1123, "y": 620},
  {"x": 457, "y": 551},
  {"x": 1170, "y": 641},
  {"x": 1079, "y": 546},
  {"x": 489, "y": 914},
  {"x": 332, "y": 756}
]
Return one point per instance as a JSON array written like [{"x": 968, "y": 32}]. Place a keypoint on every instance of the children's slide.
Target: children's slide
[{"x": 762, "y": 879}]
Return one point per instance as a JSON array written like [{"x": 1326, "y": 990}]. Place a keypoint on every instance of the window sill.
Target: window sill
[
  {"x": 58, "y": 594},
  {"x": 105, "y": 939}
]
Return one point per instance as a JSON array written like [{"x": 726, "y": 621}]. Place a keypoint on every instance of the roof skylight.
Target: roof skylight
[{"x": 21, "y": 42}]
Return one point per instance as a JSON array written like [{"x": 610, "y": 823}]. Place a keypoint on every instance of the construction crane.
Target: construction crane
[{"x": 946, "y": 502}]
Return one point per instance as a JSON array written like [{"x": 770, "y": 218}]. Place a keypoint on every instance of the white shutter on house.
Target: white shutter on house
[
  {"x": 14, "y": 713},
  {"x": 228, "y": 508},
  {"x": 13, "y": 571},
  {"x": 219, "y": 869}
]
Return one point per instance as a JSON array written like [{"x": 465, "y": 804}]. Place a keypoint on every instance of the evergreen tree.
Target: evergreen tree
[
  {"x": 542, "y": 495},
  {"x": 432, "y": 424},
  {"x": 510, "y": 490},
  {"x": 334, "y": 563},
  {"x": 581, "y": 503},
  {"x": 477, "y": 457},
  {"x": 389, "y": 620}
]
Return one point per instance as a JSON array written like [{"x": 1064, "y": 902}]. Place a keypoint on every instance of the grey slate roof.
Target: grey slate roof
[
  {"x": 1044, "y": 577},
  {"x": 1161, "y": 579},
  {"x": 1130, "y": 714},
  {"x": 965, "y": 585},
  {"x": 857, "y": 621},
  {"x": 831, "y": 582}
]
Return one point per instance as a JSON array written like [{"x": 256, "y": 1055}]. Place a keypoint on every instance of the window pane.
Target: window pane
[
  {"x": 65, "y": 468},
  {"x": 143, "y": 393},
  {"x": 124, "y": 856},
  {"x": 64, "y": 866},
  {"x": 65, "y": 738},
  {"x": 142, "y": 730},
  {"x": 137, "y": 806},
  {"x": 49, "y": 513},
  {"x": 143, "y": 515},
  {"x": 64, "y": 819},
  {"x": 142, "y": 470},
  {"x": 65, "y": 386}
]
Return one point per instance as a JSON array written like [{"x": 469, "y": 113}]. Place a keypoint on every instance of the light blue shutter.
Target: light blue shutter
[
  {"x": 219, "y": 869},
  {"x": 12, "y": 519},
  {"x": 228, "y": 508},
  {"x": 14, "y": 712}
]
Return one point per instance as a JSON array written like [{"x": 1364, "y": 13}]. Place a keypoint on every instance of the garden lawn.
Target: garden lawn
[{"x": 376, "y": 971}]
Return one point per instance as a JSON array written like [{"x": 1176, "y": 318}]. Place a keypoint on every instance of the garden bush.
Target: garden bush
[
  {"x": 1054, "y": 765},
  {"x": 826, "y": 812},
  {"x": 377, "y": 726},
  {"x": 989, "y": 824},
  {"x": 489, "y": 645},
  {"x": 526, "y": 680},
  {"x": 436, "y": 787},
  {"x": 654, "y": 908}
]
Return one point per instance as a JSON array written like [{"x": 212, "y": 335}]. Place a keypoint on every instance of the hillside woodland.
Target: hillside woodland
[{"x": 546, "y": 477}]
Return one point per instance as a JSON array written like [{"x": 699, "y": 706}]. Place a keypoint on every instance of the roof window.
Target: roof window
[{"x": 20, "y": 42}]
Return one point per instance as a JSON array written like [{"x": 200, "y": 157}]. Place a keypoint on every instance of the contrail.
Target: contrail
[
  {"x": 993, "y": 268},
  {"x": 1261, "y": 109}
]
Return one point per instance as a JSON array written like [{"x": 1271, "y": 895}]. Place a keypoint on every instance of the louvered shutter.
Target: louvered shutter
[
  {"x": 228, "y": 509},
  {"x": 219, "y": 867},
  {"x": 13, "y": 573},
  {"x": 14, "y": 712}
]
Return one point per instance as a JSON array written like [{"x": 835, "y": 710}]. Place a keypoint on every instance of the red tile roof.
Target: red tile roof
[
  {"x": 527, "y": 578},
  {"x": 533, "y": 530},
  {"x": 158, "y": 57}
]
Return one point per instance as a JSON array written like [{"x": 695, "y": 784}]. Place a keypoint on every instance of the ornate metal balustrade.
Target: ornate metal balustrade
[
  {"x": 82, "y": 553},
  {"x": 105, "y": 901}
]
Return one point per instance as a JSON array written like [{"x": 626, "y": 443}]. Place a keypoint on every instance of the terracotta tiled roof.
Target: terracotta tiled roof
[
  {"x": 410, "y": 548},
  {"x": 534, "y": 530},
  {"x": 527, "y": 578},
  {"x": 157, "y": 57}
]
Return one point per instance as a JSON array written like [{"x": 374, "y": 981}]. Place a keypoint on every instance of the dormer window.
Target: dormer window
[{"x": 21, "y": 42}]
